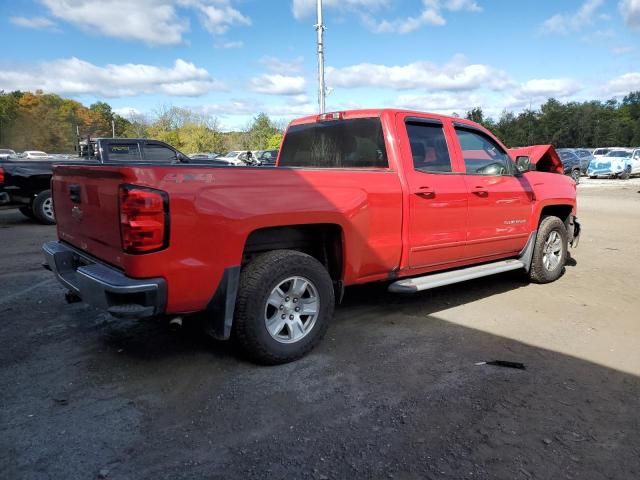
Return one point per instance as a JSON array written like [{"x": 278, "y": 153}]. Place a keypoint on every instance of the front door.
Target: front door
[
  {"x": 437, "y": 200},
  {"x": 500, "y": 201}
]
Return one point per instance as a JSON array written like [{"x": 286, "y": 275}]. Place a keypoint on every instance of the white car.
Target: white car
[
  {"x": 6, "y": 153},
  {"x": 34, "y": 155},
  {"x": 635, "y": 162},
  {"x": 615, "y": 164},
  {"x": 239, "y": 158},
  {"x": 599, "y": 153}
]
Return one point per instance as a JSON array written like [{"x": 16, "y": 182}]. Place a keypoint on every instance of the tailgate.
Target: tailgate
[{"x": 85, "y": 200}]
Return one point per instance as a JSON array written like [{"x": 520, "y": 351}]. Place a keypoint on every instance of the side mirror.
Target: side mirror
[{"x": 524, "y": 165}]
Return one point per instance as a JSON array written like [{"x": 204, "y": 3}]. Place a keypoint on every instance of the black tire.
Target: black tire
[
  {"x": 43, "y": 208},
  {"x": 626, "y": 174},
  {"x": 575, "y": 174},
  {"x": 257, "y": 282},
  {"x": 539, "y": 273},
  {"x": 27, "y": 212}
]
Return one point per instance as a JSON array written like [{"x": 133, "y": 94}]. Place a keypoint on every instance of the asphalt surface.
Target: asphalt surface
[{"x": 392, "y": 392}]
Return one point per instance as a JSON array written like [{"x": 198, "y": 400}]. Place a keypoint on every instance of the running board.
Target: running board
[{"x": 417, "y": 284}]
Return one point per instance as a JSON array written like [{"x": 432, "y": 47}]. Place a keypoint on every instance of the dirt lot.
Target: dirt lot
[{"x": 392, "y": 392}]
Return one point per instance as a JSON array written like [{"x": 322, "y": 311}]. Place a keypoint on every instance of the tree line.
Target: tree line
[
  {"x": 566, "y": 125},
  {"x": 39, "y": 121},
  {"x": 51, "y": 123}
]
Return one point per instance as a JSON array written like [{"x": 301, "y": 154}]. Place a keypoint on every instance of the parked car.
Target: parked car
[
  {"x": 570, "y": 163},
  {"x": 585, "y": 156},
  {"x": 275, "y": 247},
  {"x": 635, "y": 162},
  {"x": 615, "y": 164},
  {"x": 33, "y": 155},
  {"x": 239, "y": 158},
  {"x": 204, "y": 156},
  {"x": 600, "y": 152},
  {"x": 25, "y": 182},
  {"x": 6, "y": 153},
  {"x": 266, "y": 157}
]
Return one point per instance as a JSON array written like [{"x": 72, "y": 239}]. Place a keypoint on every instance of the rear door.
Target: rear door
[
  {"x": 499, "y": 202},
  {"x": 437, "y": 203}
]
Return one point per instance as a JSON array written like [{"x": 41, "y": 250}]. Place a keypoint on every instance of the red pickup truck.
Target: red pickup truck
[{"x": 415, "y": 199}]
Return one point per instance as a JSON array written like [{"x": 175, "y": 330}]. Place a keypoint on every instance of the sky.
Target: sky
[{"x": 233, "y": 59}]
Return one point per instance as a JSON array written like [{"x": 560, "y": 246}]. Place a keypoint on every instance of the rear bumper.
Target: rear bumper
[{"x": 103, "y": 286}]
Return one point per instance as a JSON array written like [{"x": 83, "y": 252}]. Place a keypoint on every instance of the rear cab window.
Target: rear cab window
[
  {"x": 124, "y": 152},
  {"x": 344, "y": 143}
]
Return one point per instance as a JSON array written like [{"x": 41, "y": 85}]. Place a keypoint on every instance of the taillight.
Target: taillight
[
  {"x": 1, "y": 175},
  {"x": 144, "y": 219}
]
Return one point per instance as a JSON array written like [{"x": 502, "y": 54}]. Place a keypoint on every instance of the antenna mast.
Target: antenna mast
[{"x": 321, "y": 86}]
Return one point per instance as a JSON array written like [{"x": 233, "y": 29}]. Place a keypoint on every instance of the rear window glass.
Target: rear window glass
[
  {"x": 124, "y": 152},
  {"x": 354, "y": 143},
  {"x": 428, "y": 148},
  {"x": 601, "y": 151}
]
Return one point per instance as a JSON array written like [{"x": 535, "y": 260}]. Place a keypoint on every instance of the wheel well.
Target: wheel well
[
  {"x": 39, "y": 183},
  {"x": 560, "y": 211},
  {"x": 321, "y": 241}
]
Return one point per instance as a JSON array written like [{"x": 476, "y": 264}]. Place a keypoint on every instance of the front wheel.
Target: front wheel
[
  {"x": 285, "y": 302},
  {"x": 550, "y": 252},
  {"x": 43, "y": 208},
  {"x": 575, "y": 174}
]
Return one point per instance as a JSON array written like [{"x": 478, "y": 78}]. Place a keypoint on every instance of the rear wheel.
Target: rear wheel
[
  {"x": 550, "y": 252},
  {"x": 27, "y": 212},
  {"x": 43, "y": 208},
  {"x": 285, "y": 302}
]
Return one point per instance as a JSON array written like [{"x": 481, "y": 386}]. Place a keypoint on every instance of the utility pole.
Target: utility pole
[
  {"x": 113, "y": 129},
  {"x": 321, "y": 86}
]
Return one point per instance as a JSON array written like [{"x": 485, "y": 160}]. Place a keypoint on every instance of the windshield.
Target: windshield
[
  {"x": 354, "y": 143},
  {"x": 232, "y": 154},
  {"x": 601, "y": 151},
  {"x": 618, "y": 153},
  {"x": 565, "y": 155}
]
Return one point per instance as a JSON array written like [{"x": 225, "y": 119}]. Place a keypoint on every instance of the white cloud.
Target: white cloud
[
  {"x": 229, "y": 45},
  {"x": 630, "y": 10},
  {"x": 622, "y": 50},
  {"x": 455, "y": 75},
  {"x": 277, "y": 65},
  {"x": 623, "y": 84},
  {"x": 439, "y": 102},
  {"x": 428, "y": 16},
  {"x": 127, "y": 112},
  {"x": 73, "y": 76},
  {"x": 217, "y": 15},
  {"x": 276, "y": 84},
  {"x": 550, "y": 87},
  {"x": 155, "y": 22},
  {"x": 564, "y": 23},
  {"x": 33, "y": 22},
  {"x": 307, "y": 8}
]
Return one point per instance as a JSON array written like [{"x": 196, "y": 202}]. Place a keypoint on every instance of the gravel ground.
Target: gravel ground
[{"x": 392, "y": 392}]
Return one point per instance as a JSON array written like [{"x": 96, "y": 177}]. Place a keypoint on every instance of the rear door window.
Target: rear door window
[
  {"x": 124, "y": 152},
  {"x": 155, "y": 152},
  {"x": 428, "y": 147},
  {"x": 352, "y": 143},
  {"x": 482, "y": 155}
]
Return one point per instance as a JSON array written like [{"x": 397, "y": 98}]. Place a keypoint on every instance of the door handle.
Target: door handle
[
  {"x": 481, "y": 191},
  {"x": 425, "y": 192}
]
